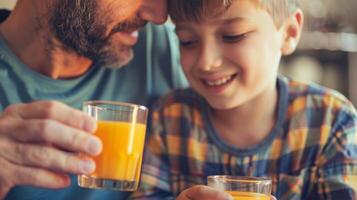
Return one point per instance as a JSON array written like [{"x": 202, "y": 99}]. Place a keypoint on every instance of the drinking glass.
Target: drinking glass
[
  {"x": 121, "y": 127},
  {"x": 242, "y": 187}
]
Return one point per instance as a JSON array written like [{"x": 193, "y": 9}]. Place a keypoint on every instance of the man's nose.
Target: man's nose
[{"x": 154, "y": 11}]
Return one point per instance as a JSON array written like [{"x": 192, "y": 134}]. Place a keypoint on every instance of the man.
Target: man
[{"x": 51, "y": 58}]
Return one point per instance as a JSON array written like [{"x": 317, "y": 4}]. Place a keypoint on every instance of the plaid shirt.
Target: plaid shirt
[{"x": 311, "y": 153}]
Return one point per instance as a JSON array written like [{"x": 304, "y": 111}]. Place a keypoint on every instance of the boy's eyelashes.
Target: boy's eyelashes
[
  {"x": 187, "y": 43},
  {"x": 234, "y": 38},
  {"x": 225, "y": 38}
]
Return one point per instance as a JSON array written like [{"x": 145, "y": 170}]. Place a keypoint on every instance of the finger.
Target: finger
[
  {"x": 39, "y": 177},
  {"x": 54, "y": 132},
  {"x": 3, "y": 191},
  {"x": 272, "y": 197},
  {"x": 53, "y": 110},
  {"x": 47, "y": 157},
  {"x": 203, "y": 192}
]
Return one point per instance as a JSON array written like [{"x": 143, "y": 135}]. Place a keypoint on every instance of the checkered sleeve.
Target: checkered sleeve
[
  {"x": 155, "y": 183},
  {"x": 337, "y": 173}
]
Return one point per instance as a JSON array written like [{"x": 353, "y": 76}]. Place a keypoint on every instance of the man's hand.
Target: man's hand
[{"x": 40, "y": 144}]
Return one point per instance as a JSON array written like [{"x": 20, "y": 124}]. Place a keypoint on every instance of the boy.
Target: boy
[
  {"x": 241, "y": 117},
  {"x": 53, "y": 55}
]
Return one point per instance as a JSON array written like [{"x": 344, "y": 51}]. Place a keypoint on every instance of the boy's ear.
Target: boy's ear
[{"x": 292, "y": 32}]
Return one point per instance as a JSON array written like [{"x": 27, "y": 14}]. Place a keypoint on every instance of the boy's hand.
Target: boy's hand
[{"x": 202, "y": 192}]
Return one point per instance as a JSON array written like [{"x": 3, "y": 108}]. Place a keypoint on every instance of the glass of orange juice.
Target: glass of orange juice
[
  {"x": 121, "y": 127},
  {"x": 242, "y": 187}
]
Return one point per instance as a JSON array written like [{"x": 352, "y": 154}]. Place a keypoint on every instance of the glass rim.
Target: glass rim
[
  {"x": 239, "y": 178},
  {"x": 97, "y": 103}
]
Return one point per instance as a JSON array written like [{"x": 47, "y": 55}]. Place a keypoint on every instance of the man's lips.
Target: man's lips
[{"x": 129, "y": 39}]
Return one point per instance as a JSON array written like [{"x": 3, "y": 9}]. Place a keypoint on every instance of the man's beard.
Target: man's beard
[{"x": 77, "y": 25}]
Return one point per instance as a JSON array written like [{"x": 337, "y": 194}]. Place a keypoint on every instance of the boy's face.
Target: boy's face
[{"x": 233, "y": 58}]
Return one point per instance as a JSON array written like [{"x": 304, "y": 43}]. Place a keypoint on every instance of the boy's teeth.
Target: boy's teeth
[{"x": 218, "y": 81}]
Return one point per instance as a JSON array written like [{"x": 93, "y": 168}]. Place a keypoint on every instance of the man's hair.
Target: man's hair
[{"x": 196, "y": 10}]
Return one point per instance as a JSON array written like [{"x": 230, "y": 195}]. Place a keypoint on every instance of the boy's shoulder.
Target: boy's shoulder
[{"x": 312, "y": 95}]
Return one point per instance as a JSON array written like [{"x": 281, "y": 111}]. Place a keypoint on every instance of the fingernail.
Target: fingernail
[
  {"x": 87, "y": 166},
  {"x": 94, "y": 146},
  {"x": 90, "y": 125}
]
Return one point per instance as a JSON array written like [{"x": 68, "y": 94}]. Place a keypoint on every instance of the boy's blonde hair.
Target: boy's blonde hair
[{"x": 195, "y": 10}]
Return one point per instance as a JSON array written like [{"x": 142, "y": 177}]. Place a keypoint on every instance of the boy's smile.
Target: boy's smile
[
  {"x": 219, "y": 83},
  {"x": 232, "y": 59}
]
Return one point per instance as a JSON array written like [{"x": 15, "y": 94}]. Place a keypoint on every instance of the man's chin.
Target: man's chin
[{"x": 117, "y": 61}]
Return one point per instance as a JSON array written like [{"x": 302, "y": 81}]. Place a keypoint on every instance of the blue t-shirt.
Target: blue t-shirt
[{"x": 154, "y": 71}]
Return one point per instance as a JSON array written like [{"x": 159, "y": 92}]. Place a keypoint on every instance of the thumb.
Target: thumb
[
  {"x": 272, "y": 197},
  {"x": 200, "y": 192}
]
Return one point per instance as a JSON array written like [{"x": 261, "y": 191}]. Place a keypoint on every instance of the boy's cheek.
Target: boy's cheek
[{"x": 188, "y": 59}]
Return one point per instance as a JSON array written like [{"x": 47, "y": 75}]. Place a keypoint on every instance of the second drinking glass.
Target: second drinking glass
[{"x": 242, "y": 187}]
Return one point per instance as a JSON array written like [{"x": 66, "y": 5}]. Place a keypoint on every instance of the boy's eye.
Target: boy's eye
[
  {"x": 233, "y": 38},
  {"x": 187, "y": 43}
]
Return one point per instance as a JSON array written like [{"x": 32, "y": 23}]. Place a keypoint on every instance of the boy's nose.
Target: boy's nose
[
  {"x": 154, "y": 11},
  {"x": 209, "y": 58}
]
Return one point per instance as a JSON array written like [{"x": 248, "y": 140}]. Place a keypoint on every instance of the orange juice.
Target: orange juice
[
  {"x": 239, "y": 195},
  {"x": 123, "y": 145}
]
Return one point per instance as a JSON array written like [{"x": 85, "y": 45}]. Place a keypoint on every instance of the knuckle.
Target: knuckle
[
  {"x": 10, "y": 109},
  {"x": 76, "y": 139},
  {"x": 68, "y": 163},
  {"x": 20, "y": 126},
  {"x": 197, "y": 189},
  {"x": 49, "y": 109},
  {"x": 19, "y": 151},
  {"x": 3, "y": 126},
  {"x": 78, "y": 119},
  {"x": 6, "y": 151},
  {"x": 39, "y": 154},
  {"x": 45, "y": 127},
  {"x": 24, "y": 177}
]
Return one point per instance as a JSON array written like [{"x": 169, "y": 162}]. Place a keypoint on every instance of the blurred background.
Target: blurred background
[
  {"x": 7, "y": 3},
  {"x": 327, "y": 53}
]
